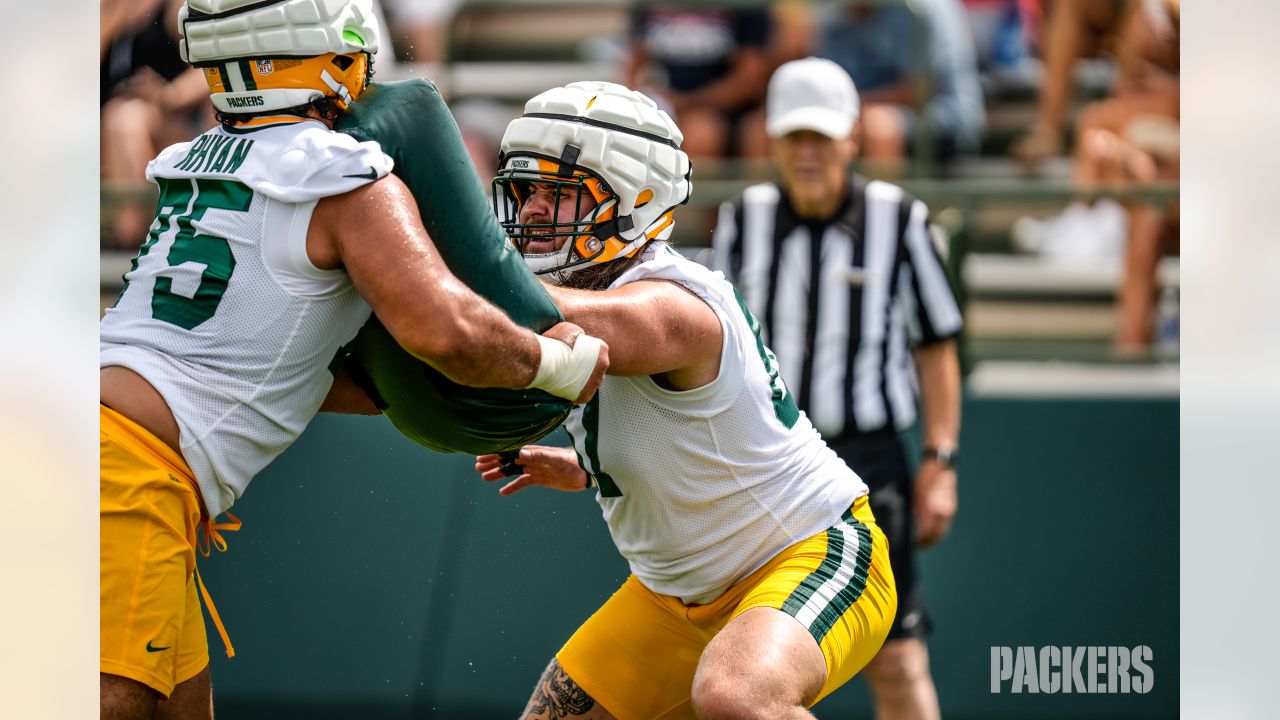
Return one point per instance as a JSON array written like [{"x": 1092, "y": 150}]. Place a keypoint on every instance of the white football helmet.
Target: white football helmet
[
  {"x": 260, "y": 55},
  {"x": 605, "y": 140}
]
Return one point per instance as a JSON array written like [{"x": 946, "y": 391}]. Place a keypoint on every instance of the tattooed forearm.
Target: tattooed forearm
[{"x": 558, "y": 696}]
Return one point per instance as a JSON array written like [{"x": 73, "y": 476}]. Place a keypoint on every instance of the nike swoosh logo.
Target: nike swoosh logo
[
  {"x": 371, "y": 175},
  {"x": 156, "y": 649}
]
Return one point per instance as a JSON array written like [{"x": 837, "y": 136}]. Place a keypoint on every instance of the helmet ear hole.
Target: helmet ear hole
[{"x": 343, "y": 61}]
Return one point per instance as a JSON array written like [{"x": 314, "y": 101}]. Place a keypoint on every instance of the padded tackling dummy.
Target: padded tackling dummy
[{"x": 413, "y": 125}]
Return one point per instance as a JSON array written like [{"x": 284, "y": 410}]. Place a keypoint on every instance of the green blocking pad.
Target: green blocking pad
[{"x": 413, "y": 125}]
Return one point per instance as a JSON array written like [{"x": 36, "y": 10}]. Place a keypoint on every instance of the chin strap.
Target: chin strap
[{"x": 612, "y": 227}]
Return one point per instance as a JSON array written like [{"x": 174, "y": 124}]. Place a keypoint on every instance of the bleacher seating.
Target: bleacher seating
[{"x": 1018, "y": 306}]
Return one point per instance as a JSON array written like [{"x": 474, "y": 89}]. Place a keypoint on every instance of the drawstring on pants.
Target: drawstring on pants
[{"x": 212, "y": 538}]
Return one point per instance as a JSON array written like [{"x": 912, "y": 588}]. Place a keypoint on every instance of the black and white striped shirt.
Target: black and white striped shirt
[{"x": 842, "y": 301}]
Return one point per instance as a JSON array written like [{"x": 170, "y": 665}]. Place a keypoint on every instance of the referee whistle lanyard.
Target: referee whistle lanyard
[{"x": 212, "y": 538}]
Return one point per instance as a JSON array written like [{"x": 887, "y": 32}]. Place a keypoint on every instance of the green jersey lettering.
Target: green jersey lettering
[
  {"x": 194, "y": 153},
  {"x": 217, "y": 153},
  {"x": 197, "y": 154},
  {"x": 183, "y": 203},
  {"x": 238, "y": 155}
]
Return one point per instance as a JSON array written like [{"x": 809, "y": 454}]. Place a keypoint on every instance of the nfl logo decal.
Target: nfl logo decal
[{"x": 265, "y": 67}]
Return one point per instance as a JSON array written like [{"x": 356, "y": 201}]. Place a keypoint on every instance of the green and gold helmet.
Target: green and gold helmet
[{"x": 603, "y": 147}]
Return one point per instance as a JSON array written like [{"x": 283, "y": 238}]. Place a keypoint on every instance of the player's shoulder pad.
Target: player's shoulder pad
[
  {"x": 295, "y": 163},
  {"x": 318, "y": 163},
  {"x": 168, "y": 158}
]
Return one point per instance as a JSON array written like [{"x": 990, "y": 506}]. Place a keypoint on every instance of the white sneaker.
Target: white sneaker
[
  {"x": 1108, "y": 231},
  {"x": 1080, "y": 233},
  {"x": 1033, "y": 235}
]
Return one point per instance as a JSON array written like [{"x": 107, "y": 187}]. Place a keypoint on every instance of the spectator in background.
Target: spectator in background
[
  {"x": 876, "y": 45},
  {"x": 1002, "y": 33},
  {"x": 150, "y": 99},
  {"x": 791, "y": 36},
  {"x": 1074, "y": 29},
  {"x": 1133, "y": 136},
  {"x": 708, "y": 65},
  {"x": 849, "y": 290}
]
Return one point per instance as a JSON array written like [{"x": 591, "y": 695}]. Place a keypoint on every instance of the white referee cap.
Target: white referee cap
[{"x": 811, "y": 94}]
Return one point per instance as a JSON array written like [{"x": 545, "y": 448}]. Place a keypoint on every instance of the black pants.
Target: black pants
[{"x": 879, "y": 460}]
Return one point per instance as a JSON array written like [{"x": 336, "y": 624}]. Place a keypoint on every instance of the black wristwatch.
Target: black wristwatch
[{"x": 947, "y": 456}]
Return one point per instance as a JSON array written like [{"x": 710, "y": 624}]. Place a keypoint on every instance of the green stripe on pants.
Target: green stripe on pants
[
  {"x": 824, "y": 572},
  {"x": 850, "y": 593}
]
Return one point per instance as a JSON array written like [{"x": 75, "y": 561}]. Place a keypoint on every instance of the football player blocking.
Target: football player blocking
[
  {"x": 273, "y": 241},
  {"x": 411, "y": 123},
  {"x": 760, "y": 580}
]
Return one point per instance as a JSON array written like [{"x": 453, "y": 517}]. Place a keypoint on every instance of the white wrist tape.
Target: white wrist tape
[{"x": 564, "y": 371}]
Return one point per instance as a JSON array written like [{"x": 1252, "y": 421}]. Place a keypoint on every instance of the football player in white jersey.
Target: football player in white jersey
[
  {"x": 273, "y": 239},
  {"x": 760, "y": 581}
]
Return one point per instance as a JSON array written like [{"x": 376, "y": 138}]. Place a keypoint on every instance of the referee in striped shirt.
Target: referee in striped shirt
[{"x": 856, "y": 304}]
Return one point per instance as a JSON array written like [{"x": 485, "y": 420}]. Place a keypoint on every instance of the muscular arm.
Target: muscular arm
[
  {"x": 659, "y": 328},
  {"x": 376, "y": 233}
]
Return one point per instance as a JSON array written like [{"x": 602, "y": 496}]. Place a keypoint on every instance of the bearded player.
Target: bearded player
[{"x": 760, "y": 580}]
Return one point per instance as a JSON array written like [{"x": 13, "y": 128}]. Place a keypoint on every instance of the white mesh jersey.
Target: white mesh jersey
[
  {"x": 702, "y": 487},
  {"x": 222, "y": 310}
]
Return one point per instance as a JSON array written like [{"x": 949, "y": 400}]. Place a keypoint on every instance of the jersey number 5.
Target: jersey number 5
[{"x": 182, "y": 204}]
